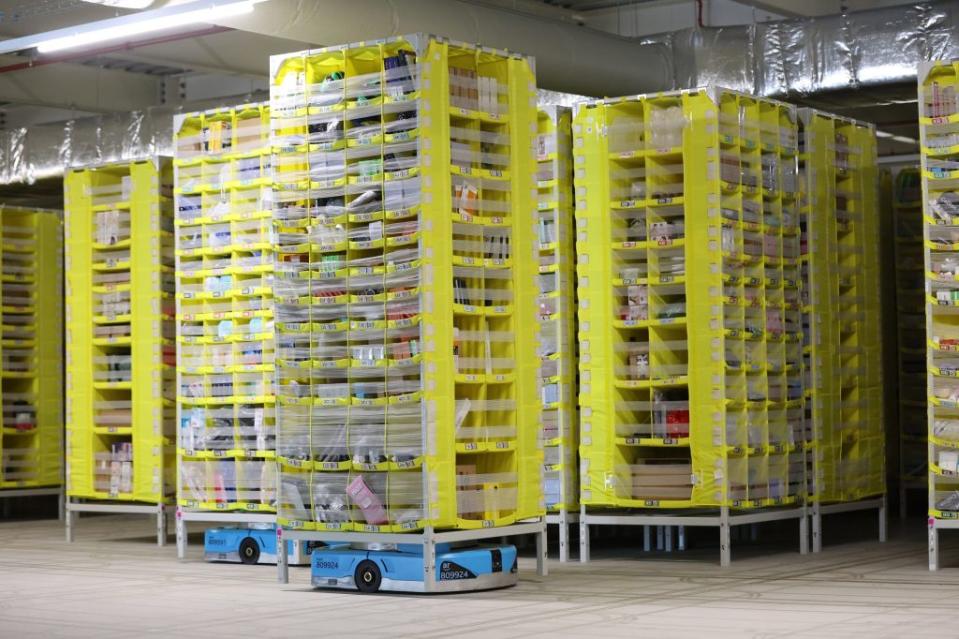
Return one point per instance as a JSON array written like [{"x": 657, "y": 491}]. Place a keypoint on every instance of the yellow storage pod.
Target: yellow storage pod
[
  {"x": 557, "y": 310},
  {"x": 406, "y": 289},
  {"x": 939, "y": 137},
  {"x": 911, "y": 333},
  {"x": 840, "y": 221},
  {"x": 226, "y": 438},
  {"x": 121, "y": 355},
  {"x": 690, "y": 333},
  {"x": 31, "y": 381}
]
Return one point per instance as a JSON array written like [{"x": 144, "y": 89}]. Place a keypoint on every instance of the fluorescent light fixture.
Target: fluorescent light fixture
[
  {"x": 213, "y": 11},
  {"x": 902, "y": 139},
  {"x": 123, "y": 4},
  {"x": 905, "y": 140},
  {"x": 129, "y": 26}
]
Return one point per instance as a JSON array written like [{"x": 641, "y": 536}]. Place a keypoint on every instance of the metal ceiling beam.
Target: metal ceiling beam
[
  {"x": 791, "y": 8},
  {"x": 816, "y": 8}
]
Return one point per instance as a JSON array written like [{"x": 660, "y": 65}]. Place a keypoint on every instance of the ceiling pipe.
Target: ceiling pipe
[{"x": 569, "y": 58}]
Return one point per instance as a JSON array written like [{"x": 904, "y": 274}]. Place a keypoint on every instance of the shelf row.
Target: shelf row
[
  {"x": 226, "y": 403},
  {"x": 31, "y": 339},
  {"x": 405, "y": 318},
  {"x": 938, "y": 130},
  {"x": 689, "y": 286},
  {"x": 121, "y": 351}
]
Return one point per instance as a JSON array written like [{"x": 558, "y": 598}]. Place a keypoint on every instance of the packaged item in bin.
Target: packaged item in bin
[
  {"x": 677, "y": 422},
  {"x": 639, "y": 365},
  {"x": 268, "y": 485},
  {"x": 661, "y": 232},
  {"x": 367, "y": 501},
  {"x": 466, "y": 197}
]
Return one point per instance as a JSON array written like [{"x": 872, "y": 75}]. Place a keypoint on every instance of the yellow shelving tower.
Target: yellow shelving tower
[
  {"x": 406, "y": 294},
  {"x": 121, "y": 355},
  {"x": 31, "y": 381},
  {"x": 223, "y": 203},
  {"x": 841, "y": 317},
  {"x": 690, "y": 335},
  {"x": 557, "y": 312},
  {"x": 939, "y": 149},
  {"x": 911, "y": 334}
]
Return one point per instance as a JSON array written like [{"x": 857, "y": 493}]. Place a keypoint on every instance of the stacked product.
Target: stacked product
[
  {"x": 689, "y": 310},
  {"x": 939, "y": 132},
  {"x": 405, "y": 294},
  {"x": 224, "y": 289},
  {"x": 121, "y": 354},
  {"x": 910, "y": 309},
  {"x": 557, "y": 317},
  {"x": 840, "y": 221},
  {"x": 31, "y": 382}
]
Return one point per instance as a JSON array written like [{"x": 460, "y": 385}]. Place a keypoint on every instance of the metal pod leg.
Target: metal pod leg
[
  {"x": 541, "y": 552},
  {"x": 71, "y": 521},
  {"x": 882, "y": 521},
  {"x": 804, "y": 533},
  {"x": 583, "y": 536},
  {"x": 161, "y": 526},
  {"x": 429, "y": 560},
  {"x": 181, "y": 536},
  {"x": 933, "y": 545},
  {"x": 725, "y": 554},
  {"x": 282, "y": 560},
  {"x": 816, "y": 528},
  {"x": 681, "y": 541},
  {"x": 62, "y": 506},
  {"x": 563, "y": 535},
  {"x": 647, "y": 539}
]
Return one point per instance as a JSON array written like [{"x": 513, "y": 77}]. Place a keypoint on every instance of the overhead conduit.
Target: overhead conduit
[{"x": 569, "y": 58}]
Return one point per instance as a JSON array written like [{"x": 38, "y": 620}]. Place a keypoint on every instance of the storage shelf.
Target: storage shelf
[
  {"x": 704, "y": 285},
  {"x": 557, "y": 309},
  {"x": 939, "y": 114},
  {"x": 226, "y": 440},
  {"x": 119, "y": 252},
  {"x": 841, "y": 312},
  {"x": 381, "y": 393},
  {"x": 31, "y": 440},
  {"x": 912, "y": 343},
  {"x": 31, "y": 314}
]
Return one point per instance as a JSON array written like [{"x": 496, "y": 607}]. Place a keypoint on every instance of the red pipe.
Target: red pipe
[
  {"x": 699, "y": 14},
  {"x": 126, "y": 46}
]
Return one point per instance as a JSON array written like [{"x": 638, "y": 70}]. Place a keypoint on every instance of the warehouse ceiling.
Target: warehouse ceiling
[
  {"x": 207, "y": 65},
  {"x": 221, "y": 64}
]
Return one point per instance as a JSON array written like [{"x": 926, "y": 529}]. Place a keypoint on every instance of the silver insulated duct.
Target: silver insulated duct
[{"x": 803, "y": 56}]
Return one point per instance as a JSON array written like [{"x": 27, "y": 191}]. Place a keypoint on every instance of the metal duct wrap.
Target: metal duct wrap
[
  {"x": 544, "y": 97},
  {"x": 805, "y": 56},
  {"x": 29, "y": 154}
]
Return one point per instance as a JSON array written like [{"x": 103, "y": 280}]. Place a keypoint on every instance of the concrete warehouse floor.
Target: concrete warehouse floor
[{"x": 115, "y": 582}]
